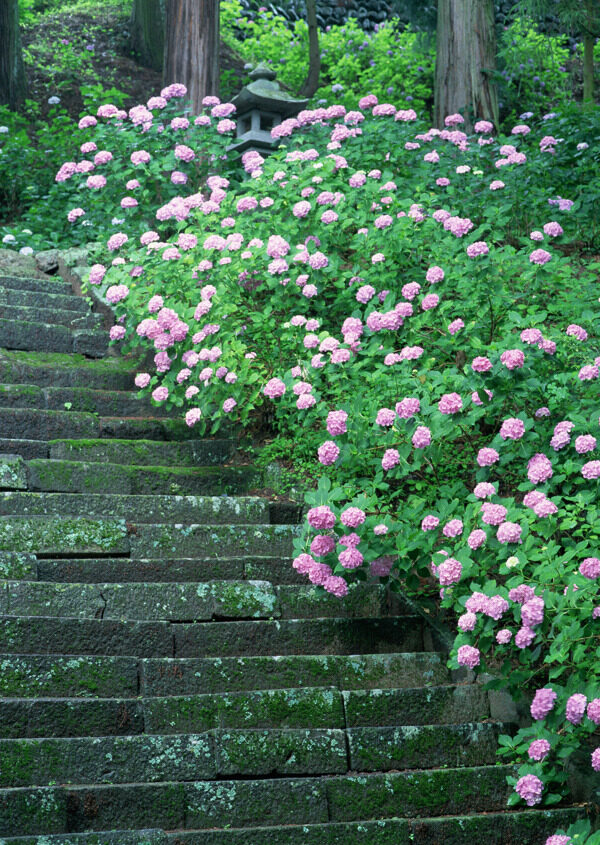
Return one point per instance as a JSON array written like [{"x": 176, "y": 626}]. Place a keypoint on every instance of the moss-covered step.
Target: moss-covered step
[
  {"x": 192, "y": 676},
  {"x": 56, "y": 535},
  {"x": 149, "y": 541},
  {"x": 16, "y": 565},
  {"x": 148, "y": 428},
  {"x": 66, "y": 370},
  {"x": 136, "y": 758},
  {"x": 40, "y": 314},
  {"x": 299, "y": 636},
  {"x": 143, "y": 452},
  {"x": 51, "y": 338},
  {"x": 276, "y": 752},
  {"x": 83, "y": 477},
  {"x": 312, "y": 707},
  {"x": 13, "y": 472},
  {"x": 52, "y": 284},
  {"x": 213, "y": 510},
  {"x": 27, "y": 449},
  {"x": 439, "y": 705},
  {"x": 363, "y": 600},
  {"x": 62, "y": 636},
  {"x": 169, "y": 602},
  {"x": 68, "y": 717},
  {"x": 109, "y": 403},
  {"x": 423, "y": 746},
  {"x": 101, "y": 570},
  {"x": 42, "y": 299},
  {"x": 54, "y": 676},
  {"x": 36, "y": 424},
  {"x": 419, "y": 793},
  {"x": 106, "y": 837},
  {"x": 21, "y": 396}
]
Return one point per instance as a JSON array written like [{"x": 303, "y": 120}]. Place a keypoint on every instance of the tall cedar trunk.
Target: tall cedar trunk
[
  {"x": 12, "y": 72},
  {"x": 465, "y": 61},
  {"x": 311, "y": 83},
  {"x": 147, "y": 27},
  {"x": 592, "y": 23},
  {"x": 192, "y": 47}
]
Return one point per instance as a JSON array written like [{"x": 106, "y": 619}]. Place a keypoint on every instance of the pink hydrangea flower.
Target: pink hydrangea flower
[
  {"x": 274, "y": 388},
  {"x": 539, "y": 468},
  {"x": 591, "y": 470},
  {"x": 509, "y": 532},
  {"x": 390, "y": 459},
  {"x": 450, "y": 403},
  {"x": 336, "y": 422},
  {"x": 575, "y": 708},
  {"x": 328, "y": 453},
  {"x": 590, "y": 568},
  {"x": 487, "y": 456},
  {"x": 453, "y": 528},
  {"x": 431, "y": 300},
  {"x": 455, "y": 326},
  {"x": 422, "y": 438},
  {"x": 538, "y": 750},
  {"x": 429, "y": 523},
  {"x": 352, "y": 517},
  {"x": 540, "y": 256},
  {"x": 503, "y": 636},
  {"x": 513, "y": 358},
  {"x": 468, "y": 656},
  {"x": 530, "y": 789},
  {"x": 449, "y": 572},
  {"x": 596, "y": 759},
  {"x": 385, "y": 417},
  {"x": 476, "y": 538},
  {"x": 434, "y": 274},
  {"x": 512, "y": 429},
  {"x": 321, "y": 517},
  {"x": 543, "y": 702}
]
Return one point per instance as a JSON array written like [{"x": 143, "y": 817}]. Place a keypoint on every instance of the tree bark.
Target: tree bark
[
  {"x": 147, "y": 26},
  {"x": 12, "y": 71},
  {"x": 311, "y": 83},
  {"x": 465, "y": 61},
  {"x": 192, "y": 48}
]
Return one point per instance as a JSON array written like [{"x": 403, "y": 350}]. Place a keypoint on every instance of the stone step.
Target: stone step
[
  {"x": 60, "y": 536},
  {"x": 79, "y": 677},
  {"x": 36, "y": 424},
  {"x": 205, "y": 805},
  {"x": 523, "y": 827},
  {"x": 242, "y": 751},
  {"x": 66, "y": 370},
  {"x": 201, "y": 602},
  {"x": 143, "y": 452},
  {"x": 50, "y": 338},
  {"x": 27, "y": 449},
  {"x": 107, "y": 402},
  {"x": 148, "y": 758},
  {"x": 54, "y": 285},
  {"x": 82, "y": 477},
  {"x": 21, "y": 566},
  {"x": 191, "y": 602},
  {"x": 50, "y": 316},
  {"x": 299, "y": 707},
  {"x": 423, "y": 746},
  {"x": 64, "y": 636},
  {"x": 441, "y": 704},
  {"x": 155, "y": 509},
  {"x": 27, "y": 298}
]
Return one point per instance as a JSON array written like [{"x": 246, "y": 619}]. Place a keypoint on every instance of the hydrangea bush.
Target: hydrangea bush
[{"x": 405, "y": 297}]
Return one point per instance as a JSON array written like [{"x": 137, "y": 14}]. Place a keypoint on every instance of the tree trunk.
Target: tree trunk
[
  {"x": 465, "y": 61},
  {"x": 311, "y": 83},
  {"x": 147, "y": 39},
  {"x": 192, "y": 48},
  {"x": 12, "y": 72}
]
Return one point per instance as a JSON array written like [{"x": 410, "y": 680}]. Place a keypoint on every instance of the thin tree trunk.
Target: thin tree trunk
[
  {"x": 12, "y": 71},
  {"x": 147, "y": 27},
  {"x": 311, "y": 83},
  {"x": 192, "y": 47},
  {"x": 465, "y": 61},
  {"x": 589, "y": 39}
]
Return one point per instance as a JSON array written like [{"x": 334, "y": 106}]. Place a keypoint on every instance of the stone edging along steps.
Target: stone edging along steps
[{"x": 165, "y": 678}]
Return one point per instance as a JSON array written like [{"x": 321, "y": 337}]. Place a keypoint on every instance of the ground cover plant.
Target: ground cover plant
[{"x": 405, "y": 301}]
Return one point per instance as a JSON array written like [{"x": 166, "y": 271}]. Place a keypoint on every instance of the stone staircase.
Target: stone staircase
[{"x": 165, "y": 677}]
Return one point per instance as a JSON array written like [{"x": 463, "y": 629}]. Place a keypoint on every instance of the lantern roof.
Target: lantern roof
[{"x": 265, "y": 94}]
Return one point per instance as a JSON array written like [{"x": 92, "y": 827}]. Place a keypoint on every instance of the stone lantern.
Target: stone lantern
[{"x": 260, "y": 106}]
